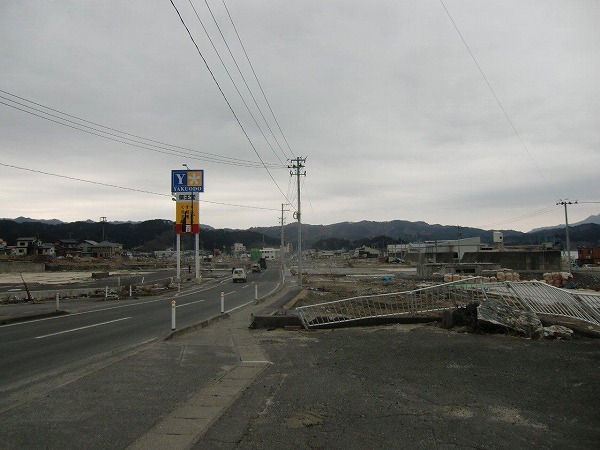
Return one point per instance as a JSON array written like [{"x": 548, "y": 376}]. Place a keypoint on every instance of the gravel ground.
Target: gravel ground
[{"x": 414, "y": 386}]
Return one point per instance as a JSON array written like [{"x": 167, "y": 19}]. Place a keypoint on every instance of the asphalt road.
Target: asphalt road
[{"x": 38, "y": 353}]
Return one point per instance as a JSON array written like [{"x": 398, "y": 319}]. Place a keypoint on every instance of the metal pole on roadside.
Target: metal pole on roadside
[
  {"x": 173, "y": 306},
  {"x": 222, "y": 302},
  {"x": 130, "y": 290},
  {"x": 57, "y": 301},
  {"x": 255, "y": 292},
  {"x": 106, "y": 292}
]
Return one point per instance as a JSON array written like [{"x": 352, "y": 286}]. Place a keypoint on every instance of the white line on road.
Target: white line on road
[
  {"x": 66, "y": 316},
  {"x": 83, "y": 328},
  {"x": 190, "y": 303}
]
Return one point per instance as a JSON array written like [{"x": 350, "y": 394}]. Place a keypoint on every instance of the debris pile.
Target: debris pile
[
  {"x": 558, "y": 279},
  {"x": 500, "y": 276}
]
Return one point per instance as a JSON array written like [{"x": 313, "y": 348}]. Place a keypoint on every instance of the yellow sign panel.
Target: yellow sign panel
[{"x": 187, "y": 218}]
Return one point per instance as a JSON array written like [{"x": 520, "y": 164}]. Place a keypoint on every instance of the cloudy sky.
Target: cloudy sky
[{"x": 472, "y": 113}]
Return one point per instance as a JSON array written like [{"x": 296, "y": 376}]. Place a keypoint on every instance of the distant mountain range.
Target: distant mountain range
[
  {"x": 159, "y": 234},
  {"x": 591, "y": 219}
]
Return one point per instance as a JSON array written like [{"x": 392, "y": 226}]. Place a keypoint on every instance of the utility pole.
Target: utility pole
[
  {"x": 103, "y": 220},
  {"x": 298, "y": 165},
  {"x": 282, "y": 242},
  {"x": 459, "y": 236},
  {"x": 565, "y": 203}
]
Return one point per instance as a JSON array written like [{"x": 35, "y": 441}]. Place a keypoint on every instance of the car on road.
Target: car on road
[
  {"x": 239, "y": 275},
  {"x": 256, "y": 268}
]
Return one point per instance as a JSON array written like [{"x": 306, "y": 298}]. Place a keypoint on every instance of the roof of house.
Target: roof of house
[{"x": 68, "y": 241}]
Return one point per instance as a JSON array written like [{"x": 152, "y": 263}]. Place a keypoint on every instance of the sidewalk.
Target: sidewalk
[{"x": 164, "y": 394}]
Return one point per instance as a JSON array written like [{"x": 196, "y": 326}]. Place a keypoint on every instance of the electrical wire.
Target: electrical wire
[
  {"x": 512, "y": 125},
  {"x": 257, "y": 80},
  {"x": 98, "y": 183},
  {"x": 244, "y": 80},
  {"x": 164, "y": 148},
  {"x": 233, "y": 82},
  {"x": 523, "y": 217},
  {"x": 225, "y": 97}
]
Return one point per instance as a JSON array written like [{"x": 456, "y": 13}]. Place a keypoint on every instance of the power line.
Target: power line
[
  {"x": 244, "y": 80},
  {"x": 257, "y": 80},
  {"x": 496, "y": 98},
  {"x": 173, "y": 151},
  {"x": 231, "y": 79},
  {"x": 523, "y": 217},
  {"x": 224, "y": 96},
  {"x": 98, "y": 183}
]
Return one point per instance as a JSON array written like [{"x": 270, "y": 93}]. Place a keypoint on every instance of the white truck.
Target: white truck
[{"x": 239, "y": 275}]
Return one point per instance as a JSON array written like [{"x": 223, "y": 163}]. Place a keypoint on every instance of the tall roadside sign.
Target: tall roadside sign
[{"x": 186, "y": 186}]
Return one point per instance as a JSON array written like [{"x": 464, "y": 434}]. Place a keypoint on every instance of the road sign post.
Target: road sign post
[{"x": 173, "y": 307}]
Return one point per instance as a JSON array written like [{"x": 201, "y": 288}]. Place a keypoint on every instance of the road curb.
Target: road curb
[{"x": 28, "y": 317}]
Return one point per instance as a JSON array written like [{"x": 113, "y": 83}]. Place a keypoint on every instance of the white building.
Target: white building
[
  {"x": 457, "y": 246},
  {"x": 270, "y": 253}
]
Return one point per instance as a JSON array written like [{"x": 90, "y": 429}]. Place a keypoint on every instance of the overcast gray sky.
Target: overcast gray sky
[{"x": 383, "y": 98}]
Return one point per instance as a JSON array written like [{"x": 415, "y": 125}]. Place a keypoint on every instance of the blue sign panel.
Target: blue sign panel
[{"x": 187, "y": 181}]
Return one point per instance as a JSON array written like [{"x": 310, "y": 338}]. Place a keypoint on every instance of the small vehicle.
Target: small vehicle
[
  {"x": 239, "y": 275},
  {"x": 256, "y": 268}
]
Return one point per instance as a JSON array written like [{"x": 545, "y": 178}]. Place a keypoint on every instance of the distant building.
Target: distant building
[
  {"x": 67, "y": 247},
  {"x": 106, "y": 249},
  {"x": 238, "y": 248},
  {"x": 46, "y": 249},
  {"x": 26, "y": 246},
  {"x": 86, "y": 247},
  {"x": 270, "y": 253},
  {"x": 436, "y": 250},
  {"x": 366, "y": 252}
]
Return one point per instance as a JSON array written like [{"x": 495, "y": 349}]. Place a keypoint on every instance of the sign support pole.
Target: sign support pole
[
  {"x": 197, "y": 253},
  {"x": 178, "y": 251}
]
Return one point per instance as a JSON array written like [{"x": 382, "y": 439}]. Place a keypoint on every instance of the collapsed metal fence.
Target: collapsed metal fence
[
  {"x": 434, "y": 298},
  {"x": 537, "y": 297},
  {"x": 543, "y": 299}
]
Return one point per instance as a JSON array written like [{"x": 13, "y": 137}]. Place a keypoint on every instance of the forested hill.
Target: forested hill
[{"x": 159, "y": 234}]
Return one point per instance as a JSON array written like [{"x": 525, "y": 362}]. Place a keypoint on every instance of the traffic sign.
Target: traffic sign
[{"x": 187, "y": 181}]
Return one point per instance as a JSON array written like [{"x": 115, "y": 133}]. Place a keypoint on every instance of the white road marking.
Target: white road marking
[
  {"x": 82, "y": 328},
  {"x": 190, "y": 303}
]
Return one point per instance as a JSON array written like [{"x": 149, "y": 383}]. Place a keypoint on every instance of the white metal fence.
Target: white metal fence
[
  {"x": 537, "y": 297},
  {"x": 541, "y": 298},
  {"x": 406, "y": 303}
]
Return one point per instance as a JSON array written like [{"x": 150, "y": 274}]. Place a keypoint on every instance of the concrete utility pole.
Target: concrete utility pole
[
  {"x": 565, "y": 203},
  {"x": 282, "y": 242},
  {"x": 103, "y": 221},
  {"x": 298, "y": 165},
  {"x": 459, "y": 236}
]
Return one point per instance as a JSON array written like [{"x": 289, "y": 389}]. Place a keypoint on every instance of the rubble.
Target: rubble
[
  {"x": 558, "y": 279},
  {"x": 494, "y": 313},
  {"x": 557, "y": 332}
]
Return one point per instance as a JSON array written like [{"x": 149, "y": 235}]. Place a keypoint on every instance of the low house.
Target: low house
[
  {"x": 106, "y": 249},
  {"x": 26, "y": 246},
  {"x": 4, "y": 248},
  {"x": 86, "y": 247},
  {"x": 67, "y": 247},
  {"x": 46, "y": 249},
  {"x": 366, "y": 252}
]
